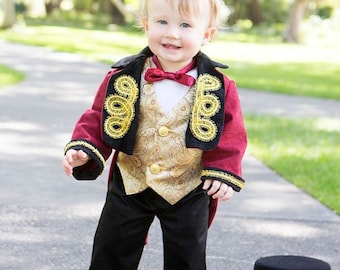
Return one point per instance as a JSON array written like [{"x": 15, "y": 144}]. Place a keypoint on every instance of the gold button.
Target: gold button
[
  {"x": 155, "y": 169},
  {"x": 163, "y": 131}
]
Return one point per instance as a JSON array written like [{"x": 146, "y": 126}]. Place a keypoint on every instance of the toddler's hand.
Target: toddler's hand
[
  {"x": 218, "y": 189},
  {"x": 74, "y": 158}
]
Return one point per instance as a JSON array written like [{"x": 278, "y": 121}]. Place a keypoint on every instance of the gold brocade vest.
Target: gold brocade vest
[
  {"x": 122, "y": 98},
  {"x": 160, "y": 158}
]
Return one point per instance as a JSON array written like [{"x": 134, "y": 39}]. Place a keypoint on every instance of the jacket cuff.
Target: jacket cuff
[
  {"x": 92, "y": 169},
  {"x": 229, "y": 178}
]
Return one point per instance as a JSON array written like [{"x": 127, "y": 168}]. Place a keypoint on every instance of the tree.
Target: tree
[
  {"x": 120, "y": 13},
  {"x": 254, "y": 12},
  {"x": 8, "y": 8},
  {"x": 51, "y": 5},
  {"x": 82, "y": 5},
  {"x": 295, "y": 17},
  {"x": 246, "y": 9}
]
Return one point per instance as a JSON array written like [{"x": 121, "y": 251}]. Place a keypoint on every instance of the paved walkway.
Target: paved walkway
[{"x": 47, "y": 220}]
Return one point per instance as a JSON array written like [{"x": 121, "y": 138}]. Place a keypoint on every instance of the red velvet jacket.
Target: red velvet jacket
[{"x": 219, "y": 133}]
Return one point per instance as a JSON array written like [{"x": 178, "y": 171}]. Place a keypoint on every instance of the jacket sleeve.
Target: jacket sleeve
[
  {"x": 87, "y": 136},
  {"x": 224, "y": 162}
]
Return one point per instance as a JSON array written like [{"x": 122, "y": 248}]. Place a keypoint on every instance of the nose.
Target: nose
[{"x": 172, "y": 32}]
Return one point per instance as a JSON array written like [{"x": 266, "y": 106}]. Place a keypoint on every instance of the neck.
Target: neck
[{"x": 183, "y": 68}]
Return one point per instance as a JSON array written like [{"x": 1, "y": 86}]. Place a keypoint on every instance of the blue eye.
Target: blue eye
[
  {"x": 185, "y": 25},
  {"x": 162, "y": 22}
]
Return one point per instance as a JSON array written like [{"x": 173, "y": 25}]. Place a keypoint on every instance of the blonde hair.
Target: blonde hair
[{"x": 189, "y": 8}]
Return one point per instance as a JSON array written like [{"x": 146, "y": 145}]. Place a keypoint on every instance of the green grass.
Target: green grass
[
  {"x": 305, "y": 151},
  {"x": 96, "y": 44},
  {"x": 284, "y": 68},
  {"x": 289, "y": 78},
  {"x": 9, "y": 76}
]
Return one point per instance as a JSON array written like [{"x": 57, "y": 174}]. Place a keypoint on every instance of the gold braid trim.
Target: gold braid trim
[
  {"x": 225, "y": 176},
  {"x": 120, "y": 107},
  {"x": 206, "y": 105},
  {"x": 89, "y": 146}
]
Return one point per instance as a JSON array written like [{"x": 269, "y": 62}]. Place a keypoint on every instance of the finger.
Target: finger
[
  {"x": 71, "y": 155},
  {"x": 69, "y": 161},
  {"x": 67, "y": 167},
  {"x": 207, "y": 184},
  {"x": 214, "y": 187},
  {"x": 221, "y": 191},
  {"x": 228, "y": 195},
  {"x": 82, "y": 155},
  {"x": 69, "y": 172}
]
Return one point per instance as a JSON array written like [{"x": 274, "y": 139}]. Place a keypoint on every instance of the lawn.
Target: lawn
[
  {"x": 9, "y": 76},
  {"x": 276, "y": 67},
  {"x": 304, "y": 151}
]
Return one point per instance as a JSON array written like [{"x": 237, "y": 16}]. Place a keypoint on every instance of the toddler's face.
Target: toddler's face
[{"x": 175, "y": 37}]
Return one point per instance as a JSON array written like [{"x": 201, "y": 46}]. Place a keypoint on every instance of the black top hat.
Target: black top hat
[{"x": 290, "y": 262}]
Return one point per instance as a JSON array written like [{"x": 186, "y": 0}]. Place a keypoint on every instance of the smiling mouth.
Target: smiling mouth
[{"x": 170, "y": 46}]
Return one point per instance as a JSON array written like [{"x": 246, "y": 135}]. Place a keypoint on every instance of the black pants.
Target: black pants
[{"x": 125, "y": 221}]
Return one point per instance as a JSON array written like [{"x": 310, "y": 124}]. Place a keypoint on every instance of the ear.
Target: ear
[
  {"x": 145, "y": 24},
  {"x": 208, "y": 34}
]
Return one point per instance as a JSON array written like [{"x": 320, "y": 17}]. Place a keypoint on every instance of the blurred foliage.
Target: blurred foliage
[
  {"x": 272, "y": 11},
  {"x": 83, "y": 5},
  {"x": 243, "y": 15},
  {"x": 20, "y": 7},
  {"x": 325, "y": 12},
  {"x": 73, "y": 19}
]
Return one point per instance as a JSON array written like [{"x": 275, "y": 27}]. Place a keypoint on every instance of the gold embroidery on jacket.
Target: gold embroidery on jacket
[
  {"x": 120, "y": 107},
  {"x": 223, "y": 175},
  {"x": 206, "y": 106}
]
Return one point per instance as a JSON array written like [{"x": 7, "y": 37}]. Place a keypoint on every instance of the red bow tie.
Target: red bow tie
[{"x": 158, "y": 74}]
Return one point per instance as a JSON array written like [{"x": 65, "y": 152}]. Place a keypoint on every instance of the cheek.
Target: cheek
[
  {"x": 194, "y": 39},
  {"x": 151, "y": 38},
  {"x": 153, "y": 33}
]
